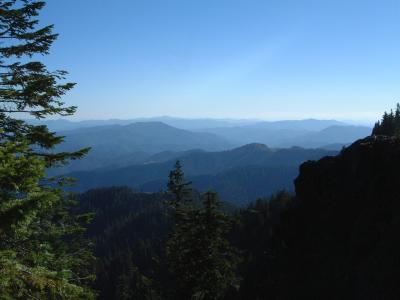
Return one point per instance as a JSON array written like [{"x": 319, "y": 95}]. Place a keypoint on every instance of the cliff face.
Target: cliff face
[{"x": 346, "y": 241}]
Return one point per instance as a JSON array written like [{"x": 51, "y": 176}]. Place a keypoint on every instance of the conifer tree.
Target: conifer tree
[
  {"x": 200, "y": 259},
  {"x": 178, "y": 187},
  {"x": 43, "y": 254},
  {"x": 389, "y": 125},
  {"x": 131, "y": 284},
  {"x": 216, "y": 260}
]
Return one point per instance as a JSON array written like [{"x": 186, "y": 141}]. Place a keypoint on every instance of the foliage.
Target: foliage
[
  {"x": 130, "y": 228},
  {"x": 42, "y": 250},
  {"x": 128, "y": 231},
  {"x": 199, "y": 257},
  {"x": 389, "y": 125},
  {"x": 258, "y": 236},
  {"x": 43, "y": 254}
]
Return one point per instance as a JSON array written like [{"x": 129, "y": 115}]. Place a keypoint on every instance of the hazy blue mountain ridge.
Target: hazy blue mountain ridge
[
  {"x": 254, "y": 169},
  {"x": 288, "y": 137},
  {"x": 115, "y": 146},
  {"x": 193, "y": 124},
  {"x": 182, "y": 123},
  {"x": 328, "y": 136},
  {"x": 122, "y": 145}
]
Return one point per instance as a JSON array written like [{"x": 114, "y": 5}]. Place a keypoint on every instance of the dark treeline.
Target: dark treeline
[
  {"x": 131, "y": 233},
  {"x": 389, "y": 125}
]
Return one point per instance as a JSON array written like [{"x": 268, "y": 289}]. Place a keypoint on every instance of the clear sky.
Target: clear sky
[{"x": 262, "y": 59}]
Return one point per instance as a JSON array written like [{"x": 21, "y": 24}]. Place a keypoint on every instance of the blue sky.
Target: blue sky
[{"x": 228, "y": 58}]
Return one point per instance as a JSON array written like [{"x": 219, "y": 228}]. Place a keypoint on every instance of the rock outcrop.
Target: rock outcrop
[{"x": 344, "y": 236}]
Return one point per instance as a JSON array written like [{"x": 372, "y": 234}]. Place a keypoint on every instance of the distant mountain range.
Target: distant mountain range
[
  {"x": 188, "y": 124},
  {"x": 307, "y": 134},
  {"x": 239, "y": 175},
  {"x": 194, "y": 124},
  {"x": 122, "y": 145},
  {"x": 298, "y": 125},
  {"x": 339, "y": 135},
  {"x": 232, "y": 159},
  {"x": 117, "y": 145}
]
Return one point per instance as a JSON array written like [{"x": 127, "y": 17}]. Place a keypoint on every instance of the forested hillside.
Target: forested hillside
[
  {"x": 289, "y": 247},
  {"x": 239, "y": 175},
  {"x": 130, "y": 230}
]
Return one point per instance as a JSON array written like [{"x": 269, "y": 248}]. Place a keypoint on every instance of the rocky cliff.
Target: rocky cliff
[{"x": 343, "y": 240}]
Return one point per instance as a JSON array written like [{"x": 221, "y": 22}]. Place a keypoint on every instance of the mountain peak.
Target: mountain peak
[
  {"x": 254, "y": 147},
  {"x": 151, "y": 124}
]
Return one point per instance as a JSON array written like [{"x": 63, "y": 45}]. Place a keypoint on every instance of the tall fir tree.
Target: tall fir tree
[
  {"x": 43, "y": 254},
  {"x": 178, "y": 187},
  {"x": 200, "y": 258}
]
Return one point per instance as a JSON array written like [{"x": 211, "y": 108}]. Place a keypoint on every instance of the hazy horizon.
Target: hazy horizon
[{"x": 204, "y": 118}]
